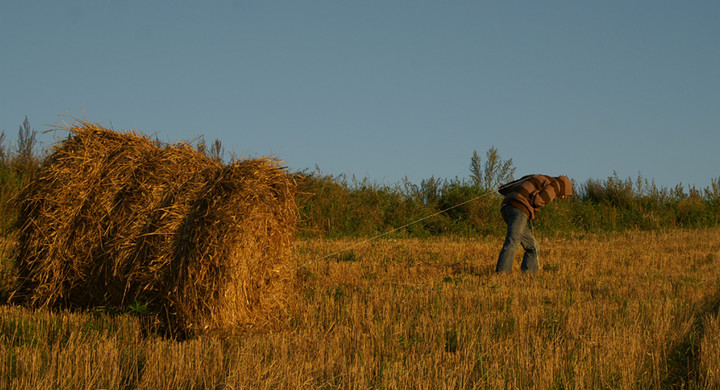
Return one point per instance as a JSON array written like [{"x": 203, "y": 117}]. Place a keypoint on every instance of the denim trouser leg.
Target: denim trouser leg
[{"x": 518, "y": 232}]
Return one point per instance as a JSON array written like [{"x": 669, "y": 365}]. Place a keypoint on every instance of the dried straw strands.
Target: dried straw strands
[{"x": 116, "y": 218}]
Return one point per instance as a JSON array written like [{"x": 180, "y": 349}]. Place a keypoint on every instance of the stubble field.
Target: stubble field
[{"x": 625, "y": 310}]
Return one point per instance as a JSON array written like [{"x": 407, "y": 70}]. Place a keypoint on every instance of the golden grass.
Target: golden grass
[
  {"x": 710, "y": 351},
  {"x": 631, "y": 310}
]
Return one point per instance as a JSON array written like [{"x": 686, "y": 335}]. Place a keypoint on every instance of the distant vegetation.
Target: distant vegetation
[
  {"x": 340, "y": 206},
  {"x": 346, "y": 206},
  {"x": 17, "y": 166}
]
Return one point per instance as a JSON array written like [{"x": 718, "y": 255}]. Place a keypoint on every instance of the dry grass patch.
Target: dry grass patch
[{"x": 635, "y": 310}]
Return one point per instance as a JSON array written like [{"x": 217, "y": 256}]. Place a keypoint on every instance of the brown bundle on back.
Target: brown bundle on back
[{"x": 115, "y": 218}]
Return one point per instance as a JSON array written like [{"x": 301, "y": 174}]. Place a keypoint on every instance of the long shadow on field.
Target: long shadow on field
[{"x": 684, "y": 358}]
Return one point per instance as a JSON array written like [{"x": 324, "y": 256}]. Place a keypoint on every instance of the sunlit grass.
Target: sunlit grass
[{"x": 629, "y": 310}]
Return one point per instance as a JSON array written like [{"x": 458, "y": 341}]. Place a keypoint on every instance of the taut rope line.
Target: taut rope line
[{"x": 391, "y": 231}]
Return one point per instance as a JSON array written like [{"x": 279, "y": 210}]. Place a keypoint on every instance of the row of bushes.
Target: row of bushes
[
  {"x": 337, "y": 206},
  {"x": 342, "y": 206}
]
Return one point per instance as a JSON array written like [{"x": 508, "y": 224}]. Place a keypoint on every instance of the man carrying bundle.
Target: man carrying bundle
[{"x": 523, "y": 198}]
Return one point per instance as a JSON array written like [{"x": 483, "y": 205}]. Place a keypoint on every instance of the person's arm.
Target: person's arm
[{"x": 547, "y": 191}]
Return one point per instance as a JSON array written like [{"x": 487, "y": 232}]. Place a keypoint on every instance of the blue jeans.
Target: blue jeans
[{"x": 518, "y": 232}]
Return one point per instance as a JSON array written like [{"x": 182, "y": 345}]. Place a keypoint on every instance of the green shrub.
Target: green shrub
[{"x": 339, "y": 207}]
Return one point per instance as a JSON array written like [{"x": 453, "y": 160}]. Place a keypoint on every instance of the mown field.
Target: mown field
[{"x": 622, "y": 310}]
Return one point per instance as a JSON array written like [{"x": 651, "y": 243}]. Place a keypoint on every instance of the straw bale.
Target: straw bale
[{"x": 116, "y": 218}]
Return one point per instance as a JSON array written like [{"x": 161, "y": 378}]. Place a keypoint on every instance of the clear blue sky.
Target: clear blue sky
[{"x": 384, "y": 89}]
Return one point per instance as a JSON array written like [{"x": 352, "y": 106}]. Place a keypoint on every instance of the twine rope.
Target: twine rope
[{"x": 373, "y": 238}]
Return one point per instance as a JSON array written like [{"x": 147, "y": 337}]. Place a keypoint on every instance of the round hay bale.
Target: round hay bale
[{"x": 116, "y": 218}]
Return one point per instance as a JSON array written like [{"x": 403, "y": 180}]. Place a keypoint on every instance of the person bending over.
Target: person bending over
[{"x": 523, "y": 198}]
